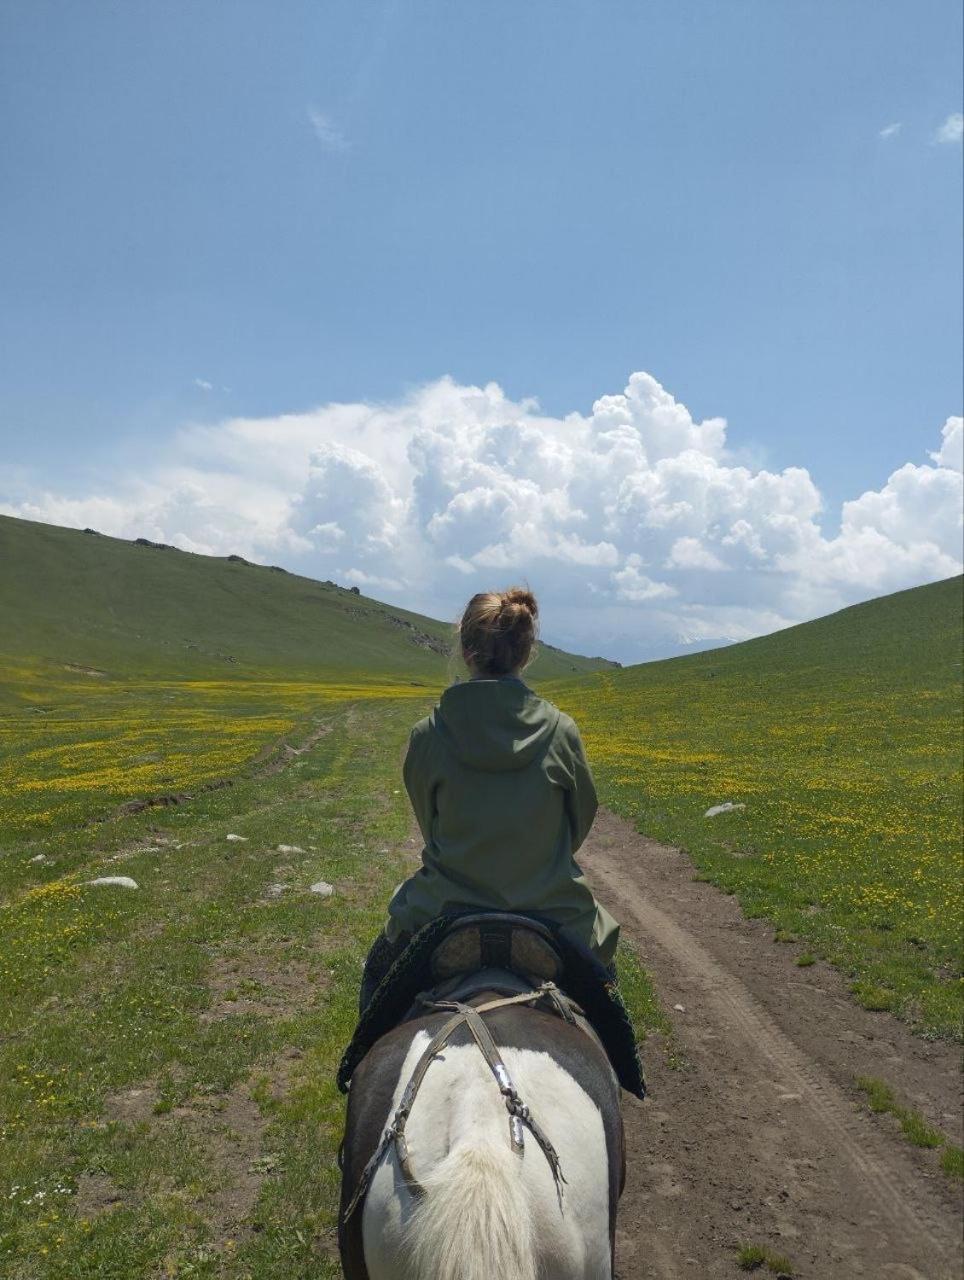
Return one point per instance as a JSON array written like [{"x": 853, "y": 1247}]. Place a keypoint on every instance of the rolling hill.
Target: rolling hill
[
  {"x": 839, "y": 744},
  {"x": 168, "y": 1052},
  {"x": 83, "y": 600}
]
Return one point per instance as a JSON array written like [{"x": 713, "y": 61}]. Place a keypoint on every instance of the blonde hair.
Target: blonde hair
[{"x": 498, "y": 630}]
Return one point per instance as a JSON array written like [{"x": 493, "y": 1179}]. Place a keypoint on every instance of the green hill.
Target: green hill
[
  {"x": 168, "y": 1055},
  {"x": 84, "y": 599},
  {"x": 130, "y": 671},
  {"x": 841, "y": 741}
]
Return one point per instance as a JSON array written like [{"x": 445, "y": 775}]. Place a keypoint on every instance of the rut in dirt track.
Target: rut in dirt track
[{"x": 760, "y": 1137}]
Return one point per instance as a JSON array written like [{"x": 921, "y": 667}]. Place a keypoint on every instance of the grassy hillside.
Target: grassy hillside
[
  {"x": 68, "y": 597},
  {"x": 128, "y": 671},
  {"x": 167, "y": 1053},
  {"x": 842, "y": 739}
]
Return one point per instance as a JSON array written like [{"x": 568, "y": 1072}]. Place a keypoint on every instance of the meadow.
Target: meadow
[
  {"x": 167, "y": 1104},
  {"x": 167, "y": 1054},
  {"x": 77, "y": 744},
  {"x": 842, "y": 740}
]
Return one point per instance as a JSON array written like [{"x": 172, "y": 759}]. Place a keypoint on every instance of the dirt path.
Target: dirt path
[{"x": 760, "y": 1137}]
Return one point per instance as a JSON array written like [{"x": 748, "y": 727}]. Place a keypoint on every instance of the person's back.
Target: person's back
[{"x": 503, "y": 795}]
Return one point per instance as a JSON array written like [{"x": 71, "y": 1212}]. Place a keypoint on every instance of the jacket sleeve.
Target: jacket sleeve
[
  {"x": 581, "y": 800},
  {"x": 420, "y": 787}
]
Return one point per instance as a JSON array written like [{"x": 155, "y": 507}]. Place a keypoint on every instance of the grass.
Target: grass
[
  {"x": 71, "y": 753},
  {"x": 642, "y": 1004},
  {"x": 101, "y": 610},
  {"x": 882, "y": 1100},
  {"x": 842, "y": 738},
  {"x": 129, "y": 671},
  {"x": 195, "y": 990},
  {"x": 751, "y": 1257},
  {"x": 167, "y": 1054}
]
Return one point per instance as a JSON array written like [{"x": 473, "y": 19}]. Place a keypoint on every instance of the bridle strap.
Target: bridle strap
[{"x": 520, "y": 1117}]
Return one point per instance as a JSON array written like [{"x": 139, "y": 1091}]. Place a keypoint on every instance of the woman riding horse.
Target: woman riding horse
[{"x": 503, "y": 794}]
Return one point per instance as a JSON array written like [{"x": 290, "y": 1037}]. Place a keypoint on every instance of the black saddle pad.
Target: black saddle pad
[{"x": 585, "y": 979}]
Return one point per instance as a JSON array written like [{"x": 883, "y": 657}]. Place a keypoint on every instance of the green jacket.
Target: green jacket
[{"x": 503, "y": 794}]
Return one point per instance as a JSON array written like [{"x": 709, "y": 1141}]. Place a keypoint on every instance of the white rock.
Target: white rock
[
  {"x": 275, "y": 890},
  {"x": 722, "y": 808},
  {"x": 232, "y": 836},
  {"x": 40, "y": 857},
  {"x": 289, "y": 848},
  {"x": 122, "y": 882},
  {"x": 323, "y": 887},
  {"x": 680, "y": 1008}
]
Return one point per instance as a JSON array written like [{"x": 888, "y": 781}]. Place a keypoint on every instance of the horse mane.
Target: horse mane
[{"x": 474, "y": 1221}]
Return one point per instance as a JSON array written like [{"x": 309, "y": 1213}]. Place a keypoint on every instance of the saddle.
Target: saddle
[
  {"x": 447, "y": 958},
  {"x": 496, "y": 940}
]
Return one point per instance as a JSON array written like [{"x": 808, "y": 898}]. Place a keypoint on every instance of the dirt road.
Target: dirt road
[{"x": 760, "y": 1136}]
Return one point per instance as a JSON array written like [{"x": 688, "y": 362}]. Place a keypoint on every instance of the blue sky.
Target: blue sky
[{"x": 219, "y": 212}]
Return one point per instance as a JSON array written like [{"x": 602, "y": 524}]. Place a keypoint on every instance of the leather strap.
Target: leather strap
[{"x": 520, "y": 1117}]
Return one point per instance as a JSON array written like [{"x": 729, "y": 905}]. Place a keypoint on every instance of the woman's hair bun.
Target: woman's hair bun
[
  {"x": 522, "y": 598},
  {"x": 498, "y": 629}
]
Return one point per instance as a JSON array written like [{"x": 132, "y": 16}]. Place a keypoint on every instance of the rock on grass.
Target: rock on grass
[{"x": 722, "y": 808}]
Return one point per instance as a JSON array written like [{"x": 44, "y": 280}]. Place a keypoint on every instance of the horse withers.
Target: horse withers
[{"x": 488, "y": 1144}]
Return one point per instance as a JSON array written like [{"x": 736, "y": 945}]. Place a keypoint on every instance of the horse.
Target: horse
[{"x": 511, "y": 1160}]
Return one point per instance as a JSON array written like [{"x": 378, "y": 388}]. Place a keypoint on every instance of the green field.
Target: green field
[
  {"x": 104, "y": 609},
  {"x": 127, "y": 671},
  {"x": 842, "y": 738},
  {"x": 167, "y": 1105},
  {"x": 167, "y": 1054}
]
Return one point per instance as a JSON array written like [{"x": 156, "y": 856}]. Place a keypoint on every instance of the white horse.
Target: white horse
[{"x": 483, "y": 1209}]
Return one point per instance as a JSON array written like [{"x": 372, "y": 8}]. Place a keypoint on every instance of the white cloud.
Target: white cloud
[
  {"x": 951, "y": 452},
  {"x": 372, "y": 580},
  {"x": 689, "y": 553},
  {"x": 635, "y": 523},
  {"x": 891, "y": 130},
  {"x": 631, "y": 584},
  {"x": 204, "y": 385},
  {"x": 952, "y": 130},
  {"x": 326, "y": 131}
]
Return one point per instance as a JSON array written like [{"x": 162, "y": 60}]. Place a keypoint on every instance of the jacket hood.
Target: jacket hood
[{"x": 494, "y": 725}]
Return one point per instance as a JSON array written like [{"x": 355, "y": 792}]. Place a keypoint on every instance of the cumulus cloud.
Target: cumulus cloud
[
  {"x": 951, "y": 452},
  {"x": 637, "y": 525},
  {"x": 952, "y": 130},
  {"x": 690, "y": 553}
]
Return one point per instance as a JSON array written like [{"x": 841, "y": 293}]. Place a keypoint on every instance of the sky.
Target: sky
[{"x": 654, "y": 305}]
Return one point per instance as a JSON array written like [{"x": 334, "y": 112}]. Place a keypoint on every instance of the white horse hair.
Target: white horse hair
[
  {"x": 474, "y": 1214},
  {"x": 489, "y": 1213}
]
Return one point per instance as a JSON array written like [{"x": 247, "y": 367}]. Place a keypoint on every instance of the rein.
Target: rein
[{"x": 520, "y": 1118}]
